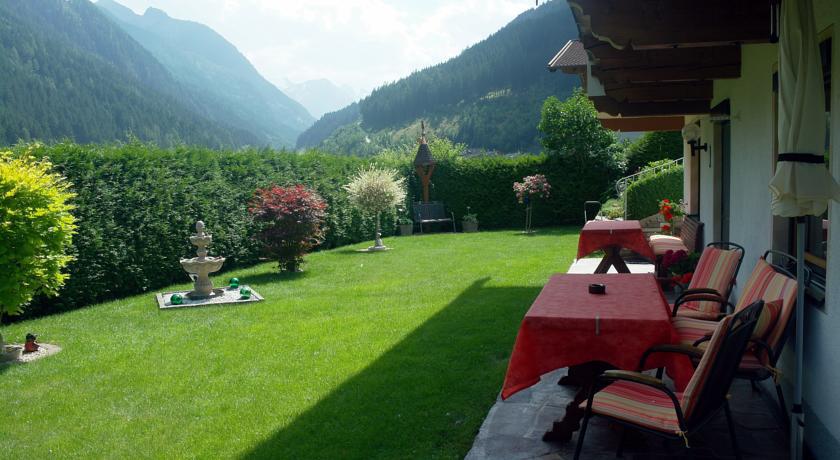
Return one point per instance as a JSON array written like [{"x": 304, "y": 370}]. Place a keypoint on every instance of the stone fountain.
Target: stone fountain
[{"x": 199, "y": 268}]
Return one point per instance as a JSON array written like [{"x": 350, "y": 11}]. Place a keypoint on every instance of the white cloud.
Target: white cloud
[{"x": 359, "y": 43}]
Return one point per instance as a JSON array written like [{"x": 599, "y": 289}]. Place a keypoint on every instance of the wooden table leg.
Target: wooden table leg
[
  {"x": 612, "y": 257},
  {"x": 583, "y": 375}
]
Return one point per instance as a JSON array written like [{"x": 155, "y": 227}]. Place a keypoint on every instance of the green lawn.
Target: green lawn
[{"x": 387, "y": 355}]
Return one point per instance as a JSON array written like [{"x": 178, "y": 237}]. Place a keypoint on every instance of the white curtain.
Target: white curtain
[{"x": 799, "y": 187}]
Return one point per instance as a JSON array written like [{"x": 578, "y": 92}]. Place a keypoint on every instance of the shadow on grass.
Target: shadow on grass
[
  {"x": 272, "y": 277},
  {"x": 426, "y": 396}
]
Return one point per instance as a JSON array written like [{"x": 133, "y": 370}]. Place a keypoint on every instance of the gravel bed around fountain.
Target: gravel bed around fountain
[{"x": 227, "y": 296}]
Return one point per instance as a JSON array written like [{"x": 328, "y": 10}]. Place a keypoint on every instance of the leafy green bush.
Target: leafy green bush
[
  {"x": 644, "y": 195},
  {"x": 653, "y": 146},
  {"x": 36, "y": 230}
]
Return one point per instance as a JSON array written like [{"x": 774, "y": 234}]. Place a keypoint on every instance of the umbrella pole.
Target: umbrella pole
[{"x": 797, "y": 415}]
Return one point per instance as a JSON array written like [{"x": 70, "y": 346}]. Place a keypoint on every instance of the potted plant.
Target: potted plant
[
  {"x": 669, "y": 211},
  {"x": 469, "y": 222},
  {"x": 680, "y": 266},
  {"x": 406, "y": 226},
  {"x": 9, "y": 352}
]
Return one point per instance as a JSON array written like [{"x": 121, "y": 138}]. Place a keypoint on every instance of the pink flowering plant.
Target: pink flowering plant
[
  {"x": 535, "y": 185},
  {"x": 531, "y": 186}
]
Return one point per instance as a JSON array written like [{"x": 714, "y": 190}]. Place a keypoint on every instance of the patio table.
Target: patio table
[
  {"x": 568, "y": 327},
  {"x": 611, "y": 236}
]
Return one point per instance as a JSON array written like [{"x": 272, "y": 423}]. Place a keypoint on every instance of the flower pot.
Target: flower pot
[
  {"x": 406, "y": 229},
  {"x": 469, "y": 227},
  {"x": 11, "y": 352}
]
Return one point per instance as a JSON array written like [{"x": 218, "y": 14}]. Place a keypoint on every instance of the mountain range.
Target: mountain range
[
  {"x": 320, "y": 96},
  {"x": 210, "y": 67},
  {"x": 67, "y": 71},
  {"x": 70, "y": 69},
  {"x": 488, "y": 97}
]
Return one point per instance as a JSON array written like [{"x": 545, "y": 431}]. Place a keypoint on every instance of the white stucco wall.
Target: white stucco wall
[
  {"x": 751, "y": 220},
  {"x": 822, "y": 327}
]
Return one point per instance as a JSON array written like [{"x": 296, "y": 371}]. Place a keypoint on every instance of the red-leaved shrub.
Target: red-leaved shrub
[{"x": 291, "y": 222}]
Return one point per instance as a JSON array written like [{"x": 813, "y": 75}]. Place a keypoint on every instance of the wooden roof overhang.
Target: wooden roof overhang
[{"x": 657, "y": 59}]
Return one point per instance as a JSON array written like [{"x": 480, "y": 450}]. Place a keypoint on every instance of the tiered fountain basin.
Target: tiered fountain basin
[{"x": 199, "y": 269}]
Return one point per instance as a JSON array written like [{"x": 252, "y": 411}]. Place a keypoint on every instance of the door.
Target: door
[{"x": 725, "y": 177}]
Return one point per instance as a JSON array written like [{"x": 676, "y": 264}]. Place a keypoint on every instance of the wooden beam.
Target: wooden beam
[
  {"x": 667, "y": 74},
  {"x": 638, "y": 124},
  {"x": 612, "y": 107},
  {"x": 650, "y": 24},
  {"x": 608, "y": 57},
  {"x": 647, "y": 92}
]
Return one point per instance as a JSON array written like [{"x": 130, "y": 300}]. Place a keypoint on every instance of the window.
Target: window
[{"x": 816, "y": 245}]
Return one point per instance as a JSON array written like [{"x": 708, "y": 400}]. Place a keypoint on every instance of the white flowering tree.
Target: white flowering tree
[{"x": 373, "y": 191}]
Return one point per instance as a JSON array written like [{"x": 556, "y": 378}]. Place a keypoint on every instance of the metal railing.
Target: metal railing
[{"x": 622, "y": 184}]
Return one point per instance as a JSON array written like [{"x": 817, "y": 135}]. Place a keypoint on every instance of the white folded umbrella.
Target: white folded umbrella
[{"x": 802, "y": 185}]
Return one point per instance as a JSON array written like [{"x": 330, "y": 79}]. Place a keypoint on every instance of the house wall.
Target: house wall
[
  {"x": 822, "y": 326},
  {"x": 753, "y": 226}
]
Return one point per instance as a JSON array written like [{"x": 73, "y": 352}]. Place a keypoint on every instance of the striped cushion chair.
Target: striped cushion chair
[
  {"x": 777, "y": 287},
  {"x": 715, "y": 275},
  {"x": 644, "y": 402}
]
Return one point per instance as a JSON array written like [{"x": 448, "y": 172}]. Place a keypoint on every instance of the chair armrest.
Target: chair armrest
[
  {"x": 688, "y": 350},
  {"x": 701, "y": 297},
  {"x": 703, "y": 339},
  {"x": 765, "y": 347},
  {"x": 692, "y": 291},
  {"x": 631, "y": 376}
]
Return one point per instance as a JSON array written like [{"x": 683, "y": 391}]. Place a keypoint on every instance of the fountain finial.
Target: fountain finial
[{"x": 199, "y": 228}]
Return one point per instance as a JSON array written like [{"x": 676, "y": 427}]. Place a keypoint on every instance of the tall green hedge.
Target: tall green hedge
[
  {"x": 644, "y": 195},
  {"x": 136, "y": 204}
]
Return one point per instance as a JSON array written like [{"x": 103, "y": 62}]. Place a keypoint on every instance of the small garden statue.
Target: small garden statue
[
  {"x": 31, "y": 346},
  {"x": 375, "y": 191},
  {"x": 530, "y": 187},
  {"x": 291, "y": 221}
]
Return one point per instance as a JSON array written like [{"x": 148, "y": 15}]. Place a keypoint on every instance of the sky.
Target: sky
[{"x": 360, "y": 44}]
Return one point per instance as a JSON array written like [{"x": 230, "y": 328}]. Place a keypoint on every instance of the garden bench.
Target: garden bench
[
  {"x": 689, "y": 240},
  {"x": 433, "y": 212}
]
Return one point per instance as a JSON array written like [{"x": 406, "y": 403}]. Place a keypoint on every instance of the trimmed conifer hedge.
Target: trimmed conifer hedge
[
  {"x": 137, "y": 204},
  {"x": 644, "y": 195}
]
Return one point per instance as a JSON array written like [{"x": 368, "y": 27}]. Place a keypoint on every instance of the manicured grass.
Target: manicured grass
[{"x": 388, "y": 355}]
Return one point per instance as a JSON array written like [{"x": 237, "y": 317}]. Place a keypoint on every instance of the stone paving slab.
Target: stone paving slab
[{"x": 513, "y": 429}]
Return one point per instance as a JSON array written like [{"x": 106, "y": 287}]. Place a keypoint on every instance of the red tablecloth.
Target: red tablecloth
[
  {"x": 559, "y": 328},
  {"x": 598, "y": 234}
]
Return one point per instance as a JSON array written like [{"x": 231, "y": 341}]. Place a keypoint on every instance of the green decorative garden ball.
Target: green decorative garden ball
[
  {"x": 176, "y": 299},
  {"x": 245, "y": 293},
  {"x": 234, "y": 282}
]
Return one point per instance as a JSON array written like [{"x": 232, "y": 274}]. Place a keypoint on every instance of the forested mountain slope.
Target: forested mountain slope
[
  {"x": 67, "y": 71},
  {"x": 216, "y": 74},
  {"x": 488, "y": 97}
]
